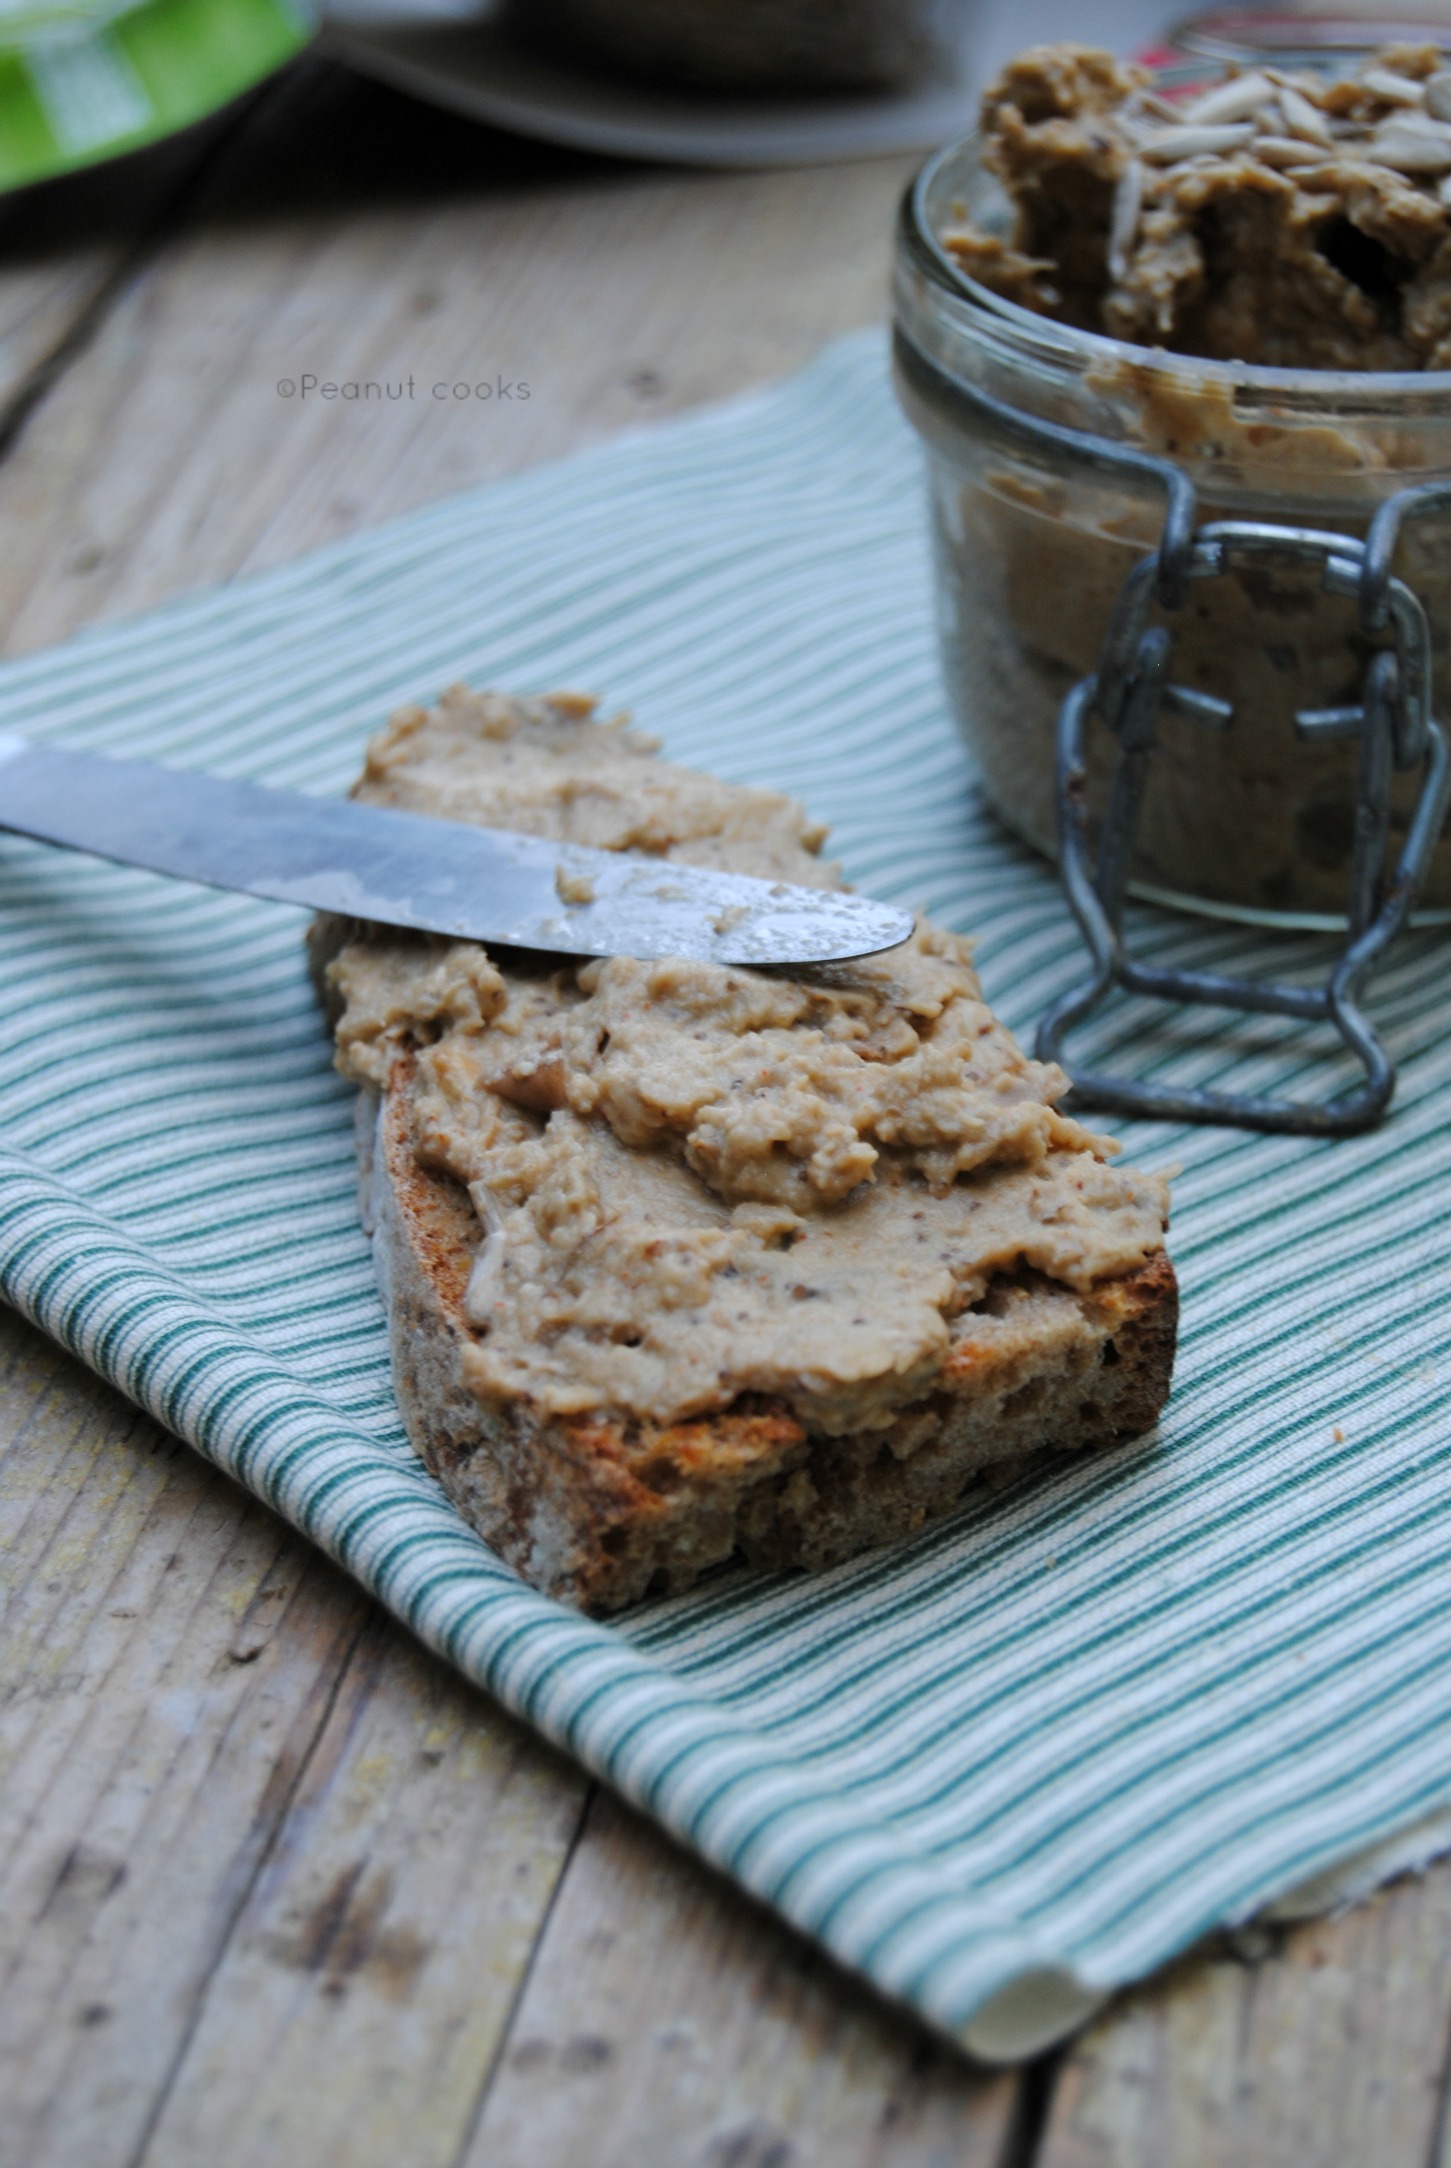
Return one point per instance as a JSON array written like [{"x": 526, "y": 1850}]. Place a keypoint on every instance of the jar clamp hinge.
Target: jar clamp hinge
[
  {"x": 1132, "y": 687},
  {"x": 1396, "y": 731},
  {"x": 1129, "y": 691}
]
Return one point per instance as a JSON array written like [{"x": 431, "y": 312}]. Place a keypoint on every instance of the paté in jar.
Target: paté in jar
[{"x": 1253, "y": 282}]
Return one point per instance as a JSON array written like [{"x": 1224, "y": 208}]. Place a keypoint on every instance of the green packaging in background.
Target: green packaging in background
[{"x": 81, "y": 82}]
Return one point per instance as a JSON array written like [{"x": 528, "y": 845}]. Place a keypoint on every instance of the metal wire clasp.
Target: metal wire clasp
[
  {"x": 1396, "y": 730},
  {"x": 1131, "y": 689}
]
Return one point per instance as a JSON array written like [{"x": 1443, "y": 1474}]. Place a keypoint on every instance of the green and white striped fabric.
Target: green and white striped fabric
[{"x": 997, "y": 1770}]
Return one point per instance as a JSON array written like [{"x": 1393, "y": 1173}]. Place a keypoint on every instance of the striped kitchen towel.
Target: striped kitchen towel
[{"x": 1047, "y": 1744}]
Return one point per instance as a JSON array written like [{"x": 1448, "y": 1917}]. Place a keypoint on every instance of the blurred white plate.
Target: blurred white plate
[{"x": 456, "y": 56}]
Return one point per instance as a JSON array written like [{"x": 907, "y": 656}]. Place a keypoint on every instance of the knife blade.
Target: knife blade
[{"x": 434, "y": 876}]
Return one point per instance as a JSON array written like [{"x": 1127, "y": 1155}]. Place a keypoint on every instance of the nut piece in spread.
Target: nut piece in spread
[{"x": 694, "y": 1182}]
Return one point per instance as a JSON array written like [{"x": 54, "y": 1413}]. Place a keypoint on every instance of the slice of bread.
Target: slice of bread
[{"x": 644, "y": 1320}]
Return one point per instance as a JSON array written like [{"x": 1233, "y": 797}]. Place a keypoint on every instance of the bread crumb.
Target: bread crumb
[{"x": 573, "y": 887}]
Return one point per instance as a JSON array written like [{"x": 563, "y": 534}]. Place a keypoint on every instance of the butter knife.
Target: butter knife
[{"x": 435, "y": 876}]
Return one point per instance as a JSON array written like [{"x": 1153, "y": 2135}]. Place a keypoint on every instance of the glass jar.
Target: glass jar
[{"x": 1032, "y": 547}]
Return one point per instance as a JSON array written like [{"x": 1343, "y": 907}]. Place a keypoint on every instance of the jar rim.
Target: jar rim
[{"x": 1040, "y": 338}]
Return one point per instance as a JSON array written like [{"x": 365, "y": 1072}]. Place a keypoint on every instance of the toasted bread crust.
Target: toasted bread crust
[{"x": 600, "y": 1512}]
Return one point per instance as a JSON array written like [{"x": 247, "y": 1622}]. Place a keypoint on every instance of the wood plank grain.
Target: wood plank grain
[
  {"x": 167, "y": 457},
  {"x": 365, "y": 1989},
  {"x": 669, "y": 2022},
  {"x": 67, "y": 245},
  {"x": 1330, "y": 2053},
  {"x": 185, "y": 1683}
]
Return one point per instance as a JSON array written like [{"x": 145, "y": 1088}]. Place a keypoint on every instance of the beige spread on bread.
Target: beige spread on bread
[
  {"x": 1279, "y": 217},
  {"x": 694, "y": 1182}
]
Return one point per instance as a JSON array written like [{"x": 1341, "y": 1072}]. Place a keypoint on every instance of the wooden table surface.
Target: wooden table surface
[{"x": 275, "y": 1886}]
